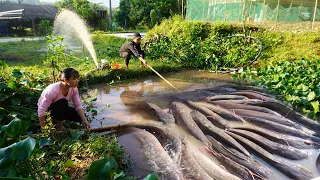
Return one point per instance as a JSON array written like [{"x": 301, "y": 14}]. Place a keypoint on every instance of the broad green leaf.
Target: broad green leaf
[
  {"x": 6, "y": 156},
  {"x": 151, "y": 177},
  {"x": 44, "y": 142},
  {"x": 304, "y": 101},
  {"x": 76, "y": 135},
  {"x": 2, "y": 114},
  {"x": 94, "y": 99},
  {"x": 102, "y": 169},
  {"x": 13, "y": 85},
  {"x": 311, "y": 96},
  {"x": 317, "y": 90},
  {"x": 69, "y": 163},
  {"x": 302, "y": 87},
  {"x": 3, "y": 86},
  {"x": 15, "y": 101},
  {"x": 3, "y": 65},
  {"x": 3, "y": 96},
  {"x": 315, "y": 105},
  {"x": 16, "y": 73},
  {"x": 5, "y": 163},
  {"x": 23, "y": 149},
  {"x": 15, "y": 128}
]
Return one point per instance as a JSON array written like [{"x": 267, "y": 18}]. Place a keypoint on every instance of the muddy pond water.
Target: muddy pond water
[{"x": 120, "y": 104}]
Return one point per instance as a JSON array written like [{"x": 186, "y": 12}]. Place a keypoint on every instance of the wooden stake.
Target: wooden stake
[
  {"x": 225, "y": 10},
  {"x": 299, "y": 11},
  {"x": 277, "y": 16},
  {"x": 314, "y": 14},
  {"x": 215, "y": 10},
  {"x": 250, "y": 9},
  {"x": 182, "y": 9},
  {"x": 243, "y": 11}
]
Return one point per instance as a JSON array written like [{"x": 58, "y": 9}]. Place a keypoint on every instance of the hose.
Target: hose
[
  {"x": 158, "y": 36},
  {"x": 248, "y": 64}
]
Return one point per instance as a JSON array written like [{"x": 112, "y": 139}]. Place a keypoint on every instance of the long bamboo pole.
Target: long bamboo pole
[
  {"x": 97, "y": 130},
  {"x": 314, "y": 14},
  {"x": 163, "y": 78}
]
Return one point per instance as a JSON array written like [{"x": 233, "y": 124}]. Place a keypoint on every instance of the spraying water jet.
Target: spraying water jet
[{"x": 71, "y": 26}]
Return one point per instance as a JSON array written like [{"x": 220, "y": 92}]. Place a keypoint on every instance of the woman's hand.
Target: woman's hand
[{"x": 86, "y": 124}]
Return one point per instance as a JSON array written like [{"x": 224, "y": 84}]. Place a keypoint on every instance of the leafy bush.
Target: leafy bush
[
  {"x": 46, "y": 156},
  {"x": 298, "y": 82},
  {"x": 107, "y": 46},
  {"x": 56, "y": 55},
  {"x": 107, "y": 168},
  {"x": 45, "y": 27},
  {"x": 200, "y": 44}
]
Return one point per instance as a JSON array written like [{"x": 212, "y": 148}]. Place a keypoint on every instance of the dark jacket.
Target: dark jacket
[{"x": 132, "y": 47}]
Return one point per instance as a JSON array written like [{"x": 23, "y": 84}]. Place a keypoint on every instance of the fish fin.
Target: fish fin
[{"x": 318, "y": 160}]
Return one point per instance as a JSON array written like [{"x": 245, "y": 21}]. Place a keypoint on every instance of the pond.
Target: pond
[{"x": 121, "y": 102}]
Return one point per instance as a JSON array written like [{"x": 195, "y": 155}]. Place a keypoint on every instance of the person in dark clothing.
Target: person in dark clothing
[{"x": 133, "y": 48}]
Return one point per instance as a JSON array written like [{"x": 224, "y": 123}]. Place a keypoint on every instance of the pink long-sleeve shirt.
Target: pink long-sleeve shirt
[{"x": 52, "y": 94}]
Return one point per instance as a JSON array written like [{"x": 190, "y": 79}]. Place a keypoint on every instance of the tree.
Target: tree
[
  {"x": 83, "y": 8},
  {"x": 122, "y": 14},
  {"x": 145, "y": 12},
  {"x": 110, "y": 13}
]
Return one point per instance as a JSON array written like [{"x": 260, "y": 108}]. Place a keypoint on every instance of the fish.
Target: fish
[
  {"x": 281, "y": 128},
  {"x": 224, "y": 97},
  {"x": 249, "y": 162},
  {"x": 158, "y": 157},
  {"x": 291, "y": 114},
  {"x": 209, "y": 129},
  {"x": 190, "y": 168},
  {"x": 226, "y": 114},
  {"x": 266, "y": 116},
  {"x": 211, "y": 168},
  {"x": 273, "y": 147},
  {"x": 248, "y": 107},
  {"x": 253, "y": 95},
  {"x": 291, "y": 170},
  {"x": 158, "y": 113},
  {"x": 181, "y": 113},
  {"x": 279, "y": 138},
  {"x": 167, "y": 138}
]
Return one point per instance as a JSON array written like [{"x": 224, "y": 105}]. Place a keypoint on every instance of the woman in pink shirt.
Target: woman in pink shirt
[{"x": 55, "y": 98}]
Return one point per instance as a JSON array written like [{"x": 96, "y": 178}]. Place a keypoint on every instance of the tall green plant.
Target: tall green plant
[
  {"x": 45, "y": 27},
  {"x": 199, "y": 44},
  {"x": 56, "y": 56}
]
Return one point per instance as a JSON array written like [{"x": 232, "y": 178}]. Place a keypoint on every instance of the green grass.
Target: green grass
[
  {"x": 278, "y": 46},
  {"x": 286, "y": 46},
  {"x": 26, "y": 55}
]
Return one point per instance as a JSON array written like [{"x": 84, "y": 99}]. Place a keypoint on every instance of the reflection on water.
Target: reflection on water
[{"x": 124, "y": 100}]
